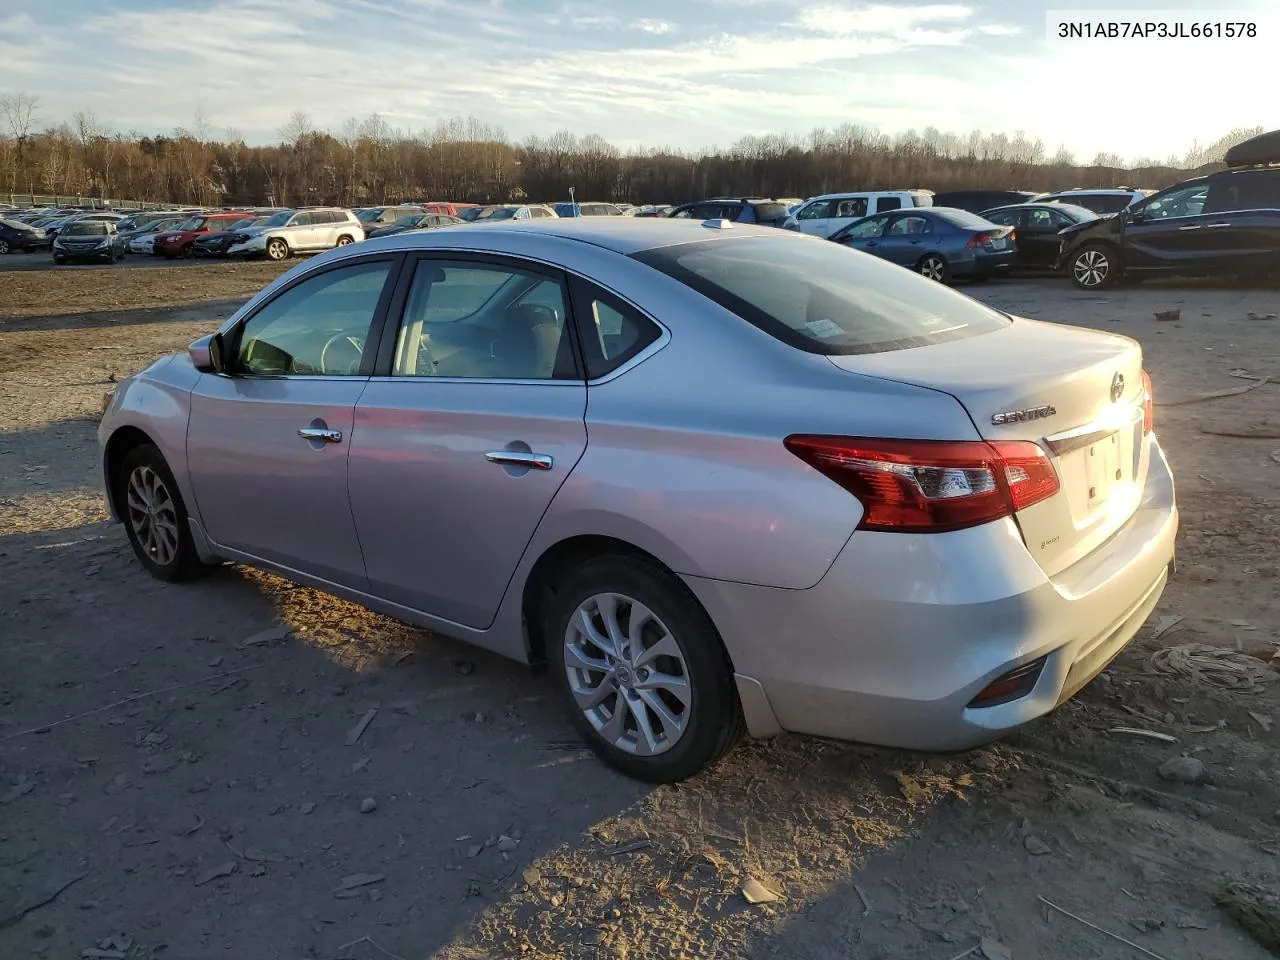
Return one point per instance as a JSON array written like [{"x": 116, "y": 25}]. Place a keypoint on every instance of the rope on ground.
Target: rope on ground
[{"x": 1214, "y": 666}]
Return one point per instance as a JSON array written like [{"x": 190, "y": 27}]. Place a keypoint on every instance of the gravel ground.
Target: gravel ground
[{"x": 192, "y": 779}]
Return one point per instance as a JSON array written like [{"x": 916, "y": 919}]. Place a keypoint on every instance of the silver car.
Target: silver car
[{"x": 715, "y": 476}]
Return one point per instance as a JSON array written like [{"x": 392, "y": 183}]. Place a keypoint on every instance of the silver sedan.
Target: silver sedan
[{"x": 716, "y": 477}]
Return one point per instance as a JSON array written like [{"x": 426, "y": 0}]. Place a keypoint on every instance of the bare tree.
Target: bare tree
[
  {"x": 19, "y": 111},
  {"x": 297, "y": 127}
]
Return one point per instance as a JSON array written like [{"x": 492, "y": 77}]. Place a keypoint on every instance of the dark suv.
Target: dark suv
[
  {"x": 975, "y": 201},
  {"x": 767, "y": 213},
  {"x": 1224, "y": 224}
]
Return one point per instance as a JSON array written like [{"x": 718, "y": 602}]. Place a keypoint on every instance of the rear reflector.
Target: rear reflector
[
  {"x": 1010, "y": 686},
  {"x": 931, "y": 486}
]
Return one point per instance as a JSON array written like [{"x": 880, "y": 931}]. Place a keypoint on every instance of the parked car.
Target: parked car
[
  {"x": 180, "y": 241},
  {"x": 1221, "y": 225},
  {"x": 106, "y": 216},
  {"x": 217, "y": 243},
  {"x": 447, "y": 209},
  {"x": 150, "y": 228},
  {"x": 766, "y": 213},
  {"x": 975, "y": 201},
  {"x": 298, "y": 231},
  {"x": 425, "y": 221},
  {"x": 88, "y": 240},
  {"x": 371, "y": 218},
  {"x": 588, "y": 210},
  {"x": 471, "y": 214},
  {"x": 1099, "y": 201},
  {"x": 823, "y": 216},
  {"x": 18, "y": 236},
  {"x": 654, "y": 210},
  {"x": 880, "y": 511},
  {"x": 941, "y": 243},
  {"x": 1038, "y": 226},
  {"x": 516, "y": 211}
]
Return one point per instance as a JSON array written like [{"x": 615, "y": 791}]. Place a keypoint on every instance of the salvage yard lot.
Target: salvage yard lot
[{"x": 193, "y": 776}]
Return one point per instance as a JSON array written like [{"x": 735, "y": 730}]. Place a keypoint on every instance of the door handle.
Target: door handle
[
  {"x": 1213, "y": 225},
  {"x": 518, "y": 458},
  {"x": 1190, "y": 226},
  {"x": 321, "y": 433}
]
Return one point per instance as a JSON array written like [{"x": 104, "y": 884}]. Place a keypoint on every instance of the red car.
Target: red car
[
  {"x": 446, "y": 208},
  {"x": 179, "y": 241}
]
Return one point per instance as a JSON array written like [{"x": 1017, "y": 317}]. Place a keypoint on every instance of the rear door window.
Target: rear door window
[
  {"x": 612, "y": 331},
  {"x": 823, "y": 297},
  {"x": 888, "y": 203},
  {"x": 851, "y": 207}
]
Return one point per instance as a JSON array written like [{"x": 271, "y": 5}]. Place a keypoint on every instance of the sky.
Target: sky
[{"x": 681, "y": 73}]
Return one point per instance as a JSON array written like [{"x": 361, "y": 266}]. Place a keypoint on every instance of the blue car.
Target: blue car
[{"x": 937, "y": 242}]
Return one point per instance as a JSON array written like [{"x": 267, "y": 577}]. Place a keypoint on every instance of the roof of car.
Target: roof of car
[{"x": 623, "y": 235}]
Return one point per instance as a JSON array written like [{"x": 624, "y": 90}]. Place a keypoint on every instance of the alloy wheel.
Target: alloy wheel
[
  {"x": 1091, "y": 268},
  {"x": 277, "y": 250},
  {"x": 933, "y": 268},
  {"x": 153, "y": 515},
  {"x": 4, "y": 247},
  {"x": 627, "y": 674}
]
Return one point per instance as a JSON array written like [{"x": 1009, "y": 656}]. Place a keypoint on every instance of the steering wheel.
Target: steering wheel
[{"x": 354, "y": 346}]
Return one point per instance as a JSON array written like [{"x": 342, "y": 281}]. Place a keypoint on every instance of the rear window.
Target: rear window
[
  {"x": 964, "y": 219},
  {"x": 822, "y": 297}
]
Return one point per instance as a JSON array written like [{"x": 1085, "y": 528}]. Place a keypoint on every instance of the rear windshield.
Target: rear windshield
[
  {"x": 85, "y": 228},
  {"x": 770, "y": 211},
  {"x": 822, "y": 297},
  {"x": 963, "y": 219}
]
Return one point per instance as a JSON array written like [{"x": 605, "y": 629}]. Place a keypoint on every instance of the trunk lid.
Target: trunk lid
[{"x": 1076, "y": 392}]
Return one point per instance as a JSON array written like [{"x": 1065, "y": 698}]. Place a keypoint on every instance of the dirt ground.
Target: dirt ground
[{"x": 194, "y": 784}]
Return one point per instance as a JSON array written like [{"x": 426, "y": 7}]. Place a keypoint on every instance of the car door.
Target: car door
[
  {"x": 883, "y": 203},
  {"x": 813, "y": 218},
  {"x": 475, "y": 419},
  {"x": 1167, "y": 232},
  {"x": 904, "y": 239},
  {"x": 847, "y": 209},
  {"x": 1242, "y": 225},
  {"x": 268, "y": 438},
  {"x": 865, "y": 235},
  {"x": 326, "y": 227}
]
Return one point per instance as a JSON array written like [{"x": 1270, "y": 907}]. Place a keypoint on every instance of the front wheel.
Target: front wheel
[
  {"x": 1094, "y": 267},
  {"x": 155, "y": 518},
  {"x": 277, "y": 249},
  {"x": 644, "y": 674},
  {"x": 4, "y": 246},
  {"x": 933, "y": 266}
]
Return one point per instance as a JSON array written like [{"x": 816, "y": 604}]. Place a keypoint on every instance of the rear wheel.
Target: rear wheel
[
  {"x": 155, "y": 517},
  {"x": 934, "y": 266},
  {"x": 644, "y": 674},
  {"x": 4, "y": 246},
  {"x": 344, "y": 240},
  {"x": 1094, "y": 267},
  {"x": 277, "y": 249}
]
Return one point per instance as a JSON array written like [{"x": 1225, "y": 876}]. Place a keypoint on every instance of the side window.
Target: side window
[
  {"x": 685, "y": 214},
  {"x": 907, "y": 227},
  {"x": 318, "y": 327},
  {"x": 888, "y": 203},
  {"x": 483, "y": 321},
  {"x": 1184, "y": 202},
  {"x": 612, "y": 331},
  {"x": 818, "y": 210},
  {"x": 539, "y": 212},
  {"x": 1042, "y": 220},
  {"x": 1008, "y": 218},
  {"x": 851, "y": 207},
  {"x": 1107, "y": 202},
  {"x": 302, "y": 220},
  {"x": 867, "y": 230}
]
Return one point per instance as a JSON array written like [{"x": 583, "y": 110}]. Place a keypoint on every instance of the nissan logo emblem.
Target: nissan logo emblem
[{"x": 1117, "y": 387}]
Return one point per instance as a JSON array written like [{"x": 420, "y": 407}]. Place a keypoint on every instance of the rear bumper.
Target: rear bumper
[{"x": 903, "y": 632}]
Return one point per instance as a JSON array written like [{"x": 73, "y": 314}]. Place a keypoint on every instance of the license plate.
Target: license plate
[
  {"x": 999, "y": 243},
  {"x": 1103, "y": 469}
]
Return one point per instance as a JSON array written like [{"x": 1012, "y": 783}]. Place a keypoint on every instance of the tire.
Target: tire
[
  {"x": 934, "y": 266},
  {"x": 711, "y": 714},
  {"x": 344, "y": 240},
  {"x": 277, "y": 249},
  {"x": 1095, "y": 266},
  {"x": 143, "y": 476},
  {"x": 4, "y": 246}
]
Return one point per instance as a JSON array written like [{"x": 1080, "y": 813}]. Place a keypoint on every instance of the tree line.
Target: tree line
[{"x": 366, "y": 161}]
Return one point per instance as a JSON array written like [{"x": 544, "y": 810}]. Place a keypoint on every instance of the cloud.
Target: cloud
[{"x": 656, "y": 27}]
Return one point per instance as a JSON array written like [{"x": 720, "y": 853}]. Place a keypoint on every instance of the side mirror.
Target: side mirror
[{"x": 206, "y": 353}]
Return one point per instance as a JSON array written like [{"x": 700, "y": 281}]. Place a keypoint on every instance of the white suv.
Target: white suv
[
  {"x": 823, "y": 216},
  {"x": 297, "y": 231}
]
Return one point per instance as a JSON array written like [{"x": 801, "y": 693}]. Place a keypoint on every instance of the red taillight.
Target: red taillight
[
  {"x": 1148, "y": 404},
  {"x": 931, "y": 485},
  {"x": 984, "y": 239}
]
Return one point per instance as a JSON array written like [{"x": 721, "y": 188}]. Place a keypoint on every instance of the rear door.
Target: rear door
[
  {"x": 1037, "y": 238},
  {"x": 475, "y": 419},
  {"x": 905, "y": 239},
  {"x": 1168, "y": 232},
  {"x": 847, "y": 209},
  {"x": 1243, "y": 222}
]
